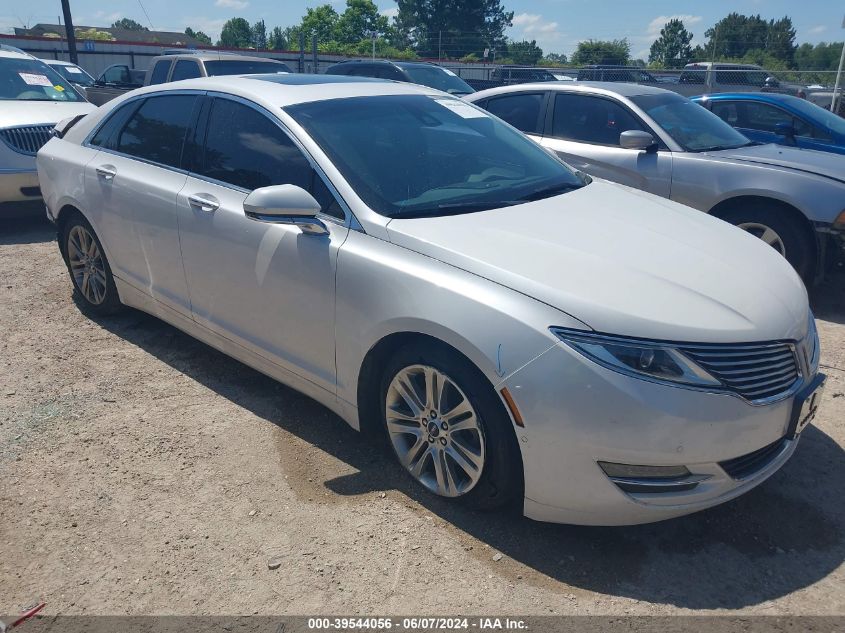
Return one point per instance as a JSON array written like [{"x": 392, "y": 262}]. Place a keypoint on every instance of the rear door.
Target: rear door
[
  {"x": 134, "y": 181},
  {"x": 526, "y": 111},
  {"x": 584, "y": 131}
]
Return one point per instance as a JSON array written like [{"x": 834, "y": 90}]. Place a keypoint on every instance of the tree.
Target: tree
[
  {"x": 527, "y": 53},
  {"x": 198, "y": 35},
  {"x": 320, "y": 21},
  {"x": 236, "y": 33},
  {"x": 556, "y": 58},
  {"x": 259, "y": 35},
  {"x": 360, "y": 19},
  {"x": 672, "y": 49},
  {"x": 279, "y": 39},
  {"x": 780, "y": 40},
  {"x": 735, "y": 34},
  {"x": 452, "y": 29},
  {"x": 129, "y": 25},
  {"x": 602, "y": 52}
]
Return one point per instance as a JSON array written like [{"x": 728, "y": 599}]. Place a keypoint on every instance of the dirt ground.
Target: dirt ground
[{"x": 142, "y": 472}]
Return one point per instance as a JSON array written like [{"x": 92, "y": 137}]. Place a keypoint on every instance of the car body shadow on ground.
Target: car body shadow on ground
[
  {"x": 27, "y": 230},
  {"x": 783, "y": 536}
]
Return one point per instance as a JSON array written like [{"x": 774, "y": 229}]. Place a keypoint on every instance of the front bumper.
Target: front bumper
[
  {"x": 19, "y": 185},
  {"x": 578, "y": 414}
]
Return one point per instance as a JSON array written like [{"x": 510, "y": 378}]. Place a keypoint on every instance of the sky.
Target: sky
[{"x": 556, "y": 25}]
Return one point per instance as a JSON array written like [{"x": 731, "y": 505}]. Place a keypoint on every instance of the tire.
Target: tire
[
  {"x": 485, "y": 440},
  {"x": 90, "y": 274},
  {"x": 790, "y": 235}
]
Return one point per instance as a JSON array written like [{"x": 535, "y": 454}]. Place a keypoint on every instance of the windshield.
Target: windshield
[
  {"x": 819, "y": 116},
  {"x": 74, "y": 74},
  {"x": 438, "y": 78},
  {"x": 418, "y": 156},
  {"x": 243, "y": 67},
  {"x": 694, "y": 128},
  {"x": 32, "y": 80}
]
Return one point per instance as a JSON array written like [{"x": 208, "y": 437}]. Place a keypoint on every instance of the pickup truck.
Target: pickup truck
[{"x": 113, "y": 82}]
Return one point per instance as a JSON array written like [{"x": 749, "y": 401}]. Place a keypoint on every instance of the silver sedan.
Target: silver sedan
[
  {"x": 520, "y": 332},
  {"x": 655, "y": 140}
]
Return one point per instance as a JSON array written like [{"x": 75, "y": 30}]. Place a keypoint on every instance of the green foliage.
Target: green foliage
[
  {"x": 259, "y": 35},
  {"x": 821, "y": 56},
  {"x": 358, "y": 21},
  {"x": 280, "y": 39},
  {"x": 129, "y": 25},
  {"x": 451, "y": 29},
  {"x": 470, "y": 59},
  {"x": 602, "y": 52},
  {"x": 525, "y": 53},
  {"x": 672, "y": 48},
  {"x": 554, "y": 59},
  {"x": 236, "y": 33},
  {"x": 198, "y": 35},
  {"x": 735, "y": 35},
  {"x": 93, "y": 34}
]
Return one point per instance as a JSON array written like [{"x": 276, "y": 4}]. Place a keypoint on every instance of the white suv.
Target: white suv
[{"x": 35, "y": 97}]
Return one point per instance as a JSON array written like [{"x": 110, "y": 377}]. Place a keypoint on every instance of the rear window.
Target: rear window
[{"x": 244, "y": 67}]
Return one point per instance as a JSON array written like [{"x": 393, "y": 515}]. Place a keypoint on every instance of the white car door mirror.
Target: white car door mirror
[
  {"x": 637, "y": 139},
  {"x": 285, "y": 204}
]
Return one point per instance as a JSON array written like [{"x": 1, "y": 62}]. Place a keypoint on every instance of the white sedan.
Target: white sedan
[{"x": 520, "y": 332}]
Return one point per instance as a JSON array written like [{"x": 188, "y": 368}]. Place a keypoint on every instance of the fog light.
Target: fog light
[{"x": 629, "y": 471}]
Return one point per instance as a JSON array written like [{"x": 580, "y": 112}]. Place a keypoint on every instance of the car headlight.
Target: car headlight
[{"x": 650, "y": 360}]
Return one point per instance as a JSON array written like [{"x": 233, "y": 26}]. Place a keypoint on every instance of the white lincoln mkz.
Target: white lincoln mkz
[{"x": 519, "y": 331}]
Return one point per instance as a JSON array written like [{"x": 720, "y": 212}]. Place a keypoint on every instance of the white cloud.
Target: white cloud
[
  {"x": 210, "y": 27},
  {"x": 231, "y": 4},
  {"x": 533, "y": 26},
  {"x": 821, "y": 28},
  {"x": 658, "y": 23},
  {"x": 390, "y": 12}
]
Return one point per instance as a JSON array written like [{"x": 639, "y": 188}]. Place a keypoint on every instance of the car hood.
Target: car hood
[
  {"x": 15, "y": 113},
  {"x": 624, "y": 262},
  {"x": 806, "y": 160}
]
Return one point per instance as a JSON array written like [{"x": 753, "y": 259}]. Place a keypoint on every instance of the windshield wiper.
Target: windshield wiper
[
  {"x": 717, "y": 148},
  {"x": 455, "y": 208},
  {"x": 548, "y": 192}
]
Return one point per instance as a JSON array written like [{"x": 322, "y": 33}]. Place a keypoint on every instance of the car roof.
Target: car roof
[
  {"x": 593, "y": 87},
  {"x": 773, "y": 97},
  {"x": 283, "y": 89},
  {"x": 57, "y": 62},
  {"x": 214, "y": 56},
  {"x": 13, "y": 53}
]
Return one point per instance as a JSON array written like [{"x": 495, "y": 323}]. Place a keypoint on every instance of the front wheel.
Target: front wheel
[
  {"x": 448, "y": 429},
  {"x": 88, "y": 267},
  {"x": 780, "y": 230}
]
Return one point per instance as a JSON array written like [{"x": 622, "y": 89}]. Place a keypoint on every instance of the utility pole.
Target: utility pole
[
  {"x": 71, "y": 36},
  {"x": 439, "y": 45},
  {"x": 835, "y": 98}
]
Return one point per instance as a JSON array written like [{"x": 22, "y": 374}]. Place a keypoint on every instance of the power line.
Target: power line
[{"x": 146, "y": 14}]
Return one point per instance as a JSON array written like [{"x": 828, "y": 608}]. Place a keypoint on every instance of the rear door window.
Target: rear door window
[
  {"x": 156, "y": 131},
  {"x": 185, "y": 69},
  {"x": 159, "y": 73},
  {"x": 524, "y": 111}
]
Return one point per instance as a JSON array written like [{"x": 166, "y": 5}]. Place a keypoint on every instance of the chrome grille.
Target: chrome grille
[
  {"x": 756, "y": 371},
  {"x": 26, "y": 139}
]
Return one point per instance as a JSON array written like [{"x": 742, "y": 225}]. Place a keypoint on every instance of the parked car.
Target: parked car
[
  {"x": 615, "y": 72},
  {"x": 113, "y": 82},
  {"x": 422, "y": 73},
  {"x": 423, "y": 269},
  {"x": 175, "y": 66},
  {"x": 73, "y": 73},
  {"x": 713, "y": 77},
  {"x": 34, "y": 98},
  {"x": 776, "y": 118},
  {"x": 660, "y": 142}
]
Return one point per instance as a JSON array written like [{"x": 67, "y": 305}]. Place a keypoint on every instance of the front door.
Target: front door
[
  {"x": 585, "y": 133},
  {"x": 269, "y": 287}
]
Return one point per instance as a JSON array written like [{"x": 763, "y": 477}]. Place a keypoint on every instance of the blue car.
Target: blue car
[{"x": 778, "y": 118}]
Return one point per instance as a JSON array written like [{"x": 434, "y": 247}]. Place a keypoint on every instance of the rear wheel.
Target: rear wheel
[
  {"x": 448, "y": 429},
  {"x": 88, "y": 267},
  {"x": 779, "y": 229}
]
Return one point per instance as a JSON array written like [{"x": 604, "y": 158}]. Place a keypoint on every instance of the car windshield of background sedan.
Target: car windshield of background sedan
[
  {"x": 691, "y": 126},
  {"x": 439, "y": 79},
  {"x": 240, "y": 67},
  {"x": 417, "y": 155},
  {"x": 74, "y": 74},
  {"x": 32, "y": 80}
]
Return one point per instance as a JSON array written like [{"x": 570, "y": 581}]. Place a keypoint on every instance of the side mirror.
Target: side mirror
[
  {"x": 787, "y": 130},
  {"x": 285, "y": 204},
  {"x": 637, "y": 139}
]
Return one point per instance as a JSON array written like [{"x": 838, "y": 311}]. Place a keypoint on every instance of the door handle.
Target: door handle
[
  {"x": 204, "y": 202},
  {"x": 107, "y": 172}
]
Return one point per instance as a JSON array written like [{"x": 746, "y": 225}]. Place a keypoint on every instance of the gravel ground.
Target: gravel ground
[{"x": 142, "y": 472}]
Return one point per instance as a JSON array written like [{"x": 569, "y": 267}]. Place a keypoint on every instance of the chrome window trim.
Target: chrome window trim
[{"x": 349, "y": 220}]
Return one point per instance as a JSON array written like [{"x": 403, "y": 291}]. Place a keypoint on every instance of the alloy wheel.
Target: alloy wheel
[
  {"x": 765, "y": 233},
  {"x": 86, "y": 264},
  {"x": 435, "y": 430}
]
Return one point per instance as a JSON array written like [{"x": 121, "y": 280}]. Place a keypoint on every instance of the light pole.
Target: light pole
[
  {"x": 71, "y": 36},
  {"x": 835, "y": 97}
]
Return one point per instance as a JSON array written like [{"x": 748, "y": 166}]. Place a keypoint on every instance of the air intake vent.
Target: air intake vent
[
  {"x": 756, "y": 371},
  {"x": 26, "y": 139},
  {"x": 747, "y": 465}
]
